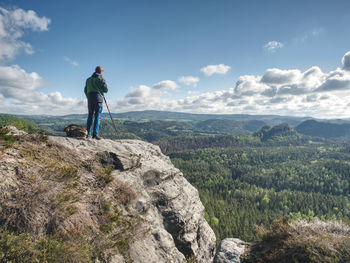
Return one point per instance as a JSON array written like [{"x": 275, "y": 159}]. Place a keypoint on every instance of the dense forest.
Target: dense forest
[{"x": 246, "y": 185}]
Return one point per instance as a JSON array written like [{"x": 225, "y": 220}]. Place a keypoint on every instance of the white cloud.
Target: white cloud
[
  {"x": 165, "y": 85},
  {"x": 71, "y": 61},
  {"x": 284, "y": 92},
  {"x": 249, "y": 85},
  {"x": 145, "y": 97},
  {"x": 12, "y": 26},
  {"x": 20, "y": 90},
  {"x": 336, "y": 83},
  {"x": 189, "y": 81},
  {"x": 215, "y": 69},
  {"x": 278, "y": 76},
  {"x": 316, "y": 32},
  {"x": 273, "y": 46},
  {"x": 20, "y": 93},
  {"x": 346, "y": 61},
  {"x": 14, "y": 81},
  {"x": 142, "y": 91}
]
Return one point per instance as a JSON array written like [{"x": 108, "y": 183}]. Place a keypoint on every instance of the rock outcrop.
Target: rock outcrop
[
  {"x": 230, "y": 251},
  {"x": 124, "y": 197}
]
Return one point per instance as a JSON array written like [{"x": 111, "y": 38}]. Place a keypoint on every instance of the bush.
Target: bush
[
  {"x": 302, "y": 241},
  {"x": 6, "y": 141}
]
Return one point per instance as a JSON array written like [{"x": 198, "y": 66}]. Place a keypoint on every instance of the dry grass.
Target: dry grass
[
  {"x": 25, "y": 210},
  {"x": 302, "y": 241},
  {"x": 124, "y": 193}
]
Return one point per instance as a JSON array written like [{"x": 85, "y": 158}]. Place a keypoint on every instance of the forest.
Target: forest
[{"x": 249, "y": 184}]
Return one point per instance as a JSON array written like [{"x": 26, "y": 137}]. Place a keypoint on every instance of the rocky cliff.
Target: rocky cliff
[{"x": 98, "y": 201}]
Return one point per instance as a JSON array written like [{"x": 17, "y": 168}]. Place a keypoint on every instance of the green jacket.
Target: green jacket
[{"x": 95, "y": 84}]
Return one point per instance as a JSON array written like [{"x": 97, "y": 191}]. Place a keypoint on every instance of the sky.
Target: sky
[{"x": 197, "y": 56}]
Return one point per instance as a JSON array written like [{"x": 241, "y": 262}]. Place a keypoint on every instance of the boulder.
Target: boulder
[{"x": 230, "y": 251}]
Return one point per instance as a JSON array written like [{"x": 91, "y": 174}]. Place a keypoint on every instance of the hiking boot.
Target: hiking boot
[{"x": 96, "y": 137}]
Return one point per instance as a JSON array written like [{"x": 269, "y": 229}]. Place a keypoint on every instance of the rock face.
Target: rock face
[
  {"x": 136, "y": 187},
  {"x": 230, "y": 250}
]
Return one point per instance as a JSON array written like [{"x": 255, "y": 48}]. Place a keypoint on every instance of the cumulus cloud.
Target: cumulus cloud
[
  {"x": 278, "y": 91},
  {"x": 15, "y": 81},
  {"x": 71, "y": 61},
  {"x": 165, "y": 85},
  {"x": 189, "y": 81},
  {"x": 12, "y": 26},
  {"x": 278, "y": 76},
  {"x": 215, "y": 69},
  {"x": 145, "y": 97},
  {"x": 336, "y": 83},
  {"x": 273, "y": 46},
  {"x": 20, "y": 93},
  {"x": 141, "y": 92},
  {"x": 346, "y": 61},
  {"x": 249, "y": 85}
]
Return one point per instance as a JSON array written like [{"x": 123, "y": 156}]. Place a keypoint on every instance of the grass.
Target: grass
[
  {"x": 65, "y": 172},
  {"x": 51, "y": 248},
  {"x": 65, "y": 200},
  {"x": 106, "y": 174},
  {"x": 191, "y": 259}
]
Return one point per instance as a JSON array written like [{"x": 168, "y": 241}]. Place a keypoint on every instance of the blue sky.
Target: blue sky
[{"x": 226, "y": 56}]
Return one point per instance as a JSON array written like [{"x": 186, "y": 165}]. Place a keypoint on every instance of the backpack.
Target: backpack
[{"x": 74, "y": 130}]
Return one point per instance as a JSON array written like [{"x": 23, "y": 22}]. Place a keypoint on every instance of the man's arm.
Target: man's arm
[{"x": 103, "y": 86}]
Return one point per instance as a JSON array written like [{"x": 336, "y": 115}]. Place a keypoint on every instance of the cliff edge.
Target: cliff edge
[{"x": 75, "y": 200}]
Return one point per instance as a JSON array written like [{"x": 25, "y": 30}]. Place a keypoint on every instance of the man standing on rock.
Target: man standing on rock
[{"x": 94, "y": 89}]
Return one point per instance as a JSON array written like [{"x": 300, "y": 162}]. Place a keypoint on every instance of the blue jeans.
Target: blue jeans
[{"x": 95, "y": 109}]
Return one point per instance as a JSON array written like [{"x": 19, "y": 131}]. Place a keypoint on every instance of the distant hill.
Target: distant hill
[
  {"x": 324, "y": 129},
  {"x": 279, "y": 132},
  {"x": 252, "y": 122},
  {"x": 222, "y": 126},
  {"x": 167, "y": 115},
  {"x": 161, "y": 124},
  {"x": 253, "y": 125}
]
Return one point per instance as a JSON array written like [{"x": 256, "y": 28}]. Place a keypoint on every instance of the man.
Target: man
[{"x": 94, "y": 89}]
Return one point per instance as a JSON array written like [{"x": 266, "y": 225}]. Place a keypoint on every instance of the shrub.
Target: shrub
[
  {"x": 6, "y": 141},
  {"x": 302, "y": 241}
]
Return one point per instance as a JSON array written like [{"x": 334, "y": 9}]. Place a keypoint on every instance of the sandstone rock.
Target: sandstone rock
[
  {"x": 166, "y": 215},
  {"x": 230, "y": 250}
]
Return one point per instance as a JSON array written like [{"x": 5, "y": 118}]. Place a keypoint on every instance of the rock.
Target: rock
[
  {"x": 230, "y": 250},
  {"x": 166, "y": 217},
  {"x": 12, "y": 130}
]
